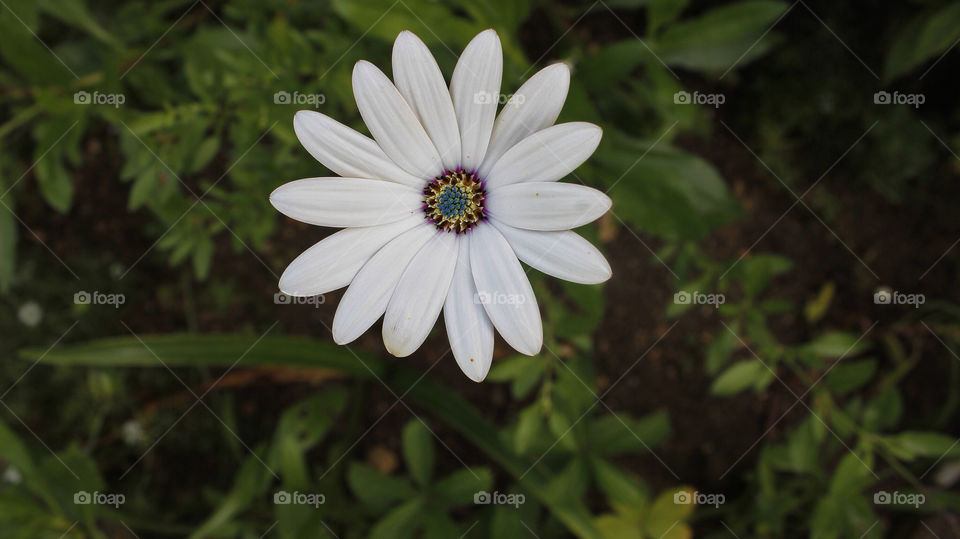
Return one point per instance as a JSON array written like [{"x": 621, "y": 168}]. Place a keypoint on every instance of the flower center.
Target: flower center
[{"x": 454, "y": 201}]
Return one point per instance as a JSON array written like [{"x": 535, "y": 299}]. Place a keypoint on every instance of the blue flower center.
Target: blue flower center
[{"x": 454, "y": 201}]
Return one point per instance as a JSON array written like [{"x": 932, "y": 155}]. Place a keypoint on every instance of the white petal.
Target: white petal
[
  {"x": 533, "y": 107},
  {"x": 333, "y": 261},
  {"x": 469, "y": 329},
  {"x": 419, "y": 296},
  {"x": 546, "y": 206},
  {"x": 563, "y": 254},
  {"x": 344, "y": 202},
  {"x": 475, "y": 88},
  {"x": 421, "y": 83},
  {"x": 367, "y": 297},
  {"x": 504, "y": 290},
  {"x": 347, "y": 152},
  {"x": 547, "y": 155},
  {"x": 393, "y": 124}
]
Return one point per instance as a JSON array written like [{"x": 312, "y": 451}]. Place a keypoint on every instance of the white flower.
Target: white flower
[{"x": 440, "y": 208}]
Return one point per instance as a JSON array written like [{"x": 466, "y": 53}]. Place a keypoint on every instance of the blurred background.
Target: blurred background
[{"x": 775, "y": 355}]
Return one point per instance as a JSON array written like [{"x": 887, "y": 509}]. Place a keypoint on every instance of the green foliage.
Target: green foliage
[
  {"x": 198, "y": 143},
  {"x": 924, "y": 37}
]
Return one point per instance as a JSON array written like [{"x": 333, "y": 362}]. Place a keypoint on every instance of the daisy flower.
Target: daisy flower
[{"x": 440, "y": 207}]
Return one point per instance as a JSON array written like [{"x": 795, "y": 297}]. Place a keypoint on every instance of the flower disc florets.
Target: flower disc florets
[{"x": 454, "y": 201}]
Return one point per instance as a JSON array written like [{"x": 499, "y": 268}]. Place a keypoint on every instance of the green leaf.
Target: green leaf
[
  {"x": 850, "y": 375},
  {"x": 923, "y": 37},
  {"x": 529, "y": 429},
  {"x": 75, "y": 13},
  {"x": 669, "y": 192},
  {"x": 616, "y": 434},
  {"x": 223, "y": 350},
  {"x": 300, "y": 428},
  {"x": 55, "y": 182},
  {"x": 611, "y": 63},
  {"x": 15, "y": 453},
  {"x": 619, "y": 486},
  {"x": 23, "y": 52},
  {"x": 740, "y": 376},
  {"x": 250, "y": 481},
  {"x": 203, "y": 258},
  {"x": 438, "y": 525},
  {"x": 722, "y": 37},
  {"x": 455, "y": 412},
  {"x": 755, "y": 272},
  {"x": 836, "y": 345},
  {"x": 883, "y": 411},
  {"x": 511, "y": 521},
  {"x": 400, "y": 522},
  {"x": 570, "y": 483},
  {"x": 374, "y": 489},
  {"x": 666, "y": 515},
  {"x": 199, "y": 350},
  {"x": 524, "y": 372},
  {"x": 910, "y": 444},
  {"x": 8, "y": 244},
  {"x": 418, "y": 450},
  {"x": 205, "y": 153},
  {"x": 431, "y": 21},
  {"x": 720, "y": 348},
  {"x": 458, "y": 488},
  {"x": 814, "y": 310},
  {"x": 853, "y": 474},
  {"x": 661, "y": 12}
]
